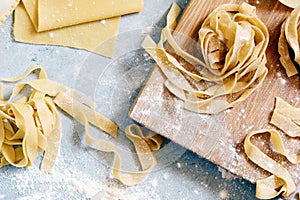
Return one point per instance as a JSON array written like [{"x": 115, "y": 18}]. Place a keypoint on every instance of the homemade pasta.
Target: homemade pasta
[
  {"x": 232, "y": 41},
  {"x": 289, "y": 41},
  {"x": 94, "y": 36},
  {"x": 30, "y": 125},
  {"x": 83, "y": 24},
  {"x": 6, "y": 8},
  {"x": 286, "y": 118},
  {"x": 52, "y": 14}
]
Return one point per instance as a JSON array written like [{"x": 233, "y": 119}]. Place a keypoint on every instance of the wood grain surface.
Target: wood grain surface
[{"x": 219, "y": 138}]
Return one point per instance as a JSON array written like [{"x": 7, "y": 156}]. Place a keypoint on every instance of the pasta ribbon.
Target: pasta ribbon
[
  {"x": 232, "y": 41},
  {"x": 284, "y": 117},
  {"x": 281, "y": 178},
  {"x": 144, "y": 146},
  {"x": 30, "y": 125},
  {"x": 289, "y": 41}
]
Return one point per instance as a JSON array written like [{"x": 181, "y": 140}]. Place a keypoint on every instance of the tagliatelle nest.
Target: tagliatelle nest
[
  {"x": 233, "y": 42},
  {"x": 31, "y": 125},
  {"x": 288, "y": 44}
]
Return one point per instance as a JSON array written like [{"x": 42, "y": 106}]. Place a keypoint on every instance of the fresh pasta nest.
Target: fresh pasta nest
[
  {"x": 288, "y": 44},
  {"x": 232, "y": 41},
  {"x": 29, "y": 126}
]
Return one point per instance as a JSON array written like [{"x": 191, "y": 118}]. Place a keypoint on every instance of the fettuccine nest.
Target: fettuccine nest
[
  {"x": 31, "y": 125},
  {"x": 233, "y": 42}
]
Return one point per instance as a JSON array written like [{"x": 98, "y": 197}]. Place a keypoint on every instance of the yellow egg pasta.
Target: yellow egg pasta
[
  {"x": 144, "y": 146},
  {"x": 93, "y": 36},
  {"x": 232, "y": 41},
  {"x": 286, "y": 118},
  {"x": 30, "y": 125},
  {"x": 76, "y": 23},
  {"x": 52, "y": 14},
  {"x": 281, "y": 180}
]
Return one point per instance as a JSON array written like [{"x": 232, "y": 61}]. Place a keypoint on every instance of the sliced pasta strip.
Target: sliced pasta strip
[
  {"x": 286, "y": 117},
  {"x": 281, "y": 180},
  {"x": 232, "y": 41},
  {"x": 83, "y": 113},
  {"x": 30, "y": 125},
  {"x": 289, "y": 41},
  {"x": 144, "y": 147}
]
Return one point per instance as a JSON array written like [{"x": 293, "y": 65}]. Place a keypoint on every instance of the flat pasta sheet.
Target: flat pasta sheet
[
  {"x": 6, "y": 8},
  {"x": 86, "y": 36},
  {"x": 76, "y": 23},
  {"x": 52, "y": 14}
]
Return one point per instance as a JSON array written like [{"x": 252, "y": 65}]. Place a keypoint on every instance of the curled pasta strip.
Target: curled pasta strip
[
  {"x": 285, "y": 117},
  {"x": 232, "y": 41},
  {"x": 289, "y": 41},
  {"x": 32, "y": 124},
  {"x": 144, "y": 146},
  {"x": 281, "y": 180}
]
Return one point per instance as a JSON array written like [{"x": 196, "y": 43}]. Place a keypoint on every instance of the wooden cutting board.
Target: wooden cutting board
[{"x": 219, "y": 138}]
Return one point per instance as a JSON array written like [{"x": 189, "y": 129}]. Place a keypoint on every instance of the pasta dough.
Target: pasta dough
[
  {"x": 94, "y": 36},
  {"x": 73, "y": 23},
  {"x": 52, "y": 14},
  {"x": 31, "y": 125},
  {"x": 286, "y": 118},
  {"x": 289, "y": 40},
  {"x": 232, "y": 41},
  {"x": 6, "y": 8}
]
